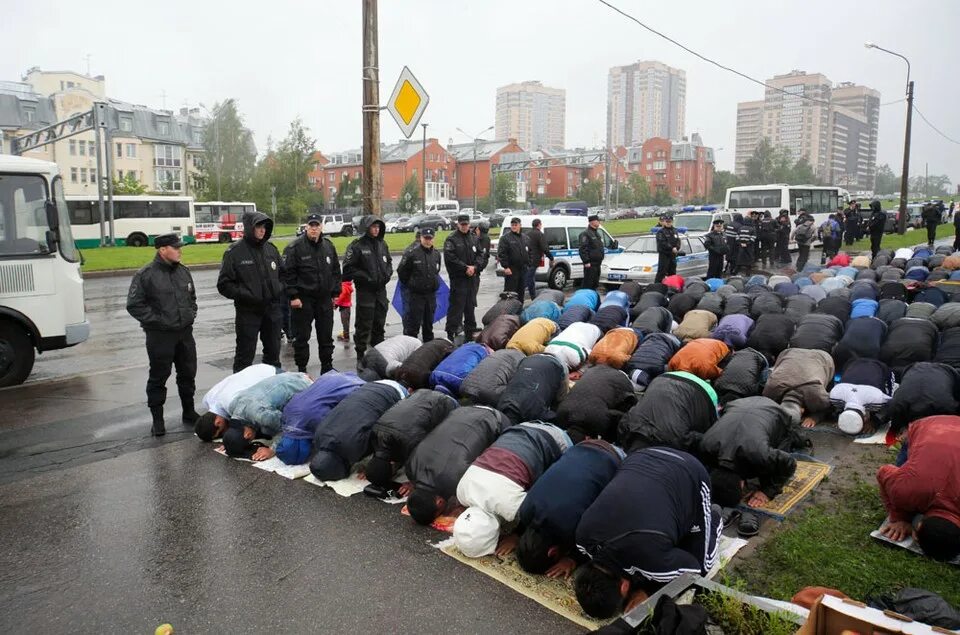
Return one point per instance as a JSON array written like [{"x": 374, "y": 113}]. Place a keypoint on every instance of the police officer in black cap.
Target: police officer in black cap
[
  {"x": 163, "y": 299},
  {"x": 668, "y": 248},
  {"x": 591, "y": 253},
  {"x": 513, "y": 252},
  {"x": 462, "y": 257},
  {"x": 419, "y": 271},
  {"x": 250, "y": 276},
  {"x": 311, "y": 273}
]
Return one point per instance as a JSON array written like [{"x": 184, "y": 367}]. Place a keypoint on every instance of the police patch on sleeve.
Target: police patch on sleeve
[{"x": 273, "y": 264}]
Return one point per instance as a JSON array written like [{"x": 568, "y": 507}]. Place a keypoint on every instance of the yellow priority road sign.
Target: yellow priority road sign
[{"x": 407, "y": 102}]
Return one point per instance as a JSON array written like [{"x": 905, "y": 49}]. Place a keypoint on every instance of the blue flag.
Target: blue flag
[{"x": 443, "y": 300}]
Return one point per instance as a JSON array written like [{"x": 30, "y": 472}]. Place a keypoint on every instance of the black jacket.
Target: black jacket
[
  {"x": 754, "y": 438},
  {"x": 483, "y": 251},
  {"x": 674, "y": 412},
  {"x": 250, "y": 272},
  {"x": 459, "y": 252},
  {"x": 716, "y": 242},
  {"x": 440, "y": 460},
  {"x": 539, "y": 382},
  {"x": 419, "y": 269},
  {"x": 513, "y": 251},
  {"x": 878, "y": 221},
  {"x": 926, "y": 389},
  {"x": 538, "y": 247},
  {"x": 667, "y": 240},
  {"x": 367, "y": 260},
  {"x": 311, "y": 269},
  {"x": 909, "y": 340},
  {"x": 743, "y": 376},
  {"x": 768, "y": 230},
  {"x": 400, "y": 429},
  {"x": 415, "y": 371},
  {"x": 596, "y": 403},
  {"x": 591, "y": 246},
  {"x": 162, "y": 296}
]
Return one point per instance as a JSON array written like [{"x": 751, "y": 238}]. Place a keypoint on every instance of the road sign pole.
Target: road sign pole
[{"x": 371, "y": 111}]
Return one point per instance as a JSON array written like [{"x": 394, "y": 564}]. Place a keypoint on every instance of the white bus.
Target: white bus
[
  {"x": 220, "y": 222},
  {"x": 137, "y": 220},
  {"x": 818, "y": 200},
  {"x": 41, "y": 289}
]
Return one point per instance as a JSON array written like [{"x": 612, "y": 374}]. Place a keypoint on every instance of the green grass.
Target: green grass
[
  {"x": 829, "y": 545},
  {"x": 909, "y": 239},
  {"x": 109, "y": 258},
  {"x": 734, "y": 616}
]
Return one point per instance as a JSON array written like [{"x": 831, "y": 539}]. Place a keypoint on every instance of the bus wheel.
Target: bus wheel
[
  {"x": 347, "y": 230},
  {"x": 224, "y": 237},
  {"x": 16, "y": 354},
  {"x": 136, "y": 240}
]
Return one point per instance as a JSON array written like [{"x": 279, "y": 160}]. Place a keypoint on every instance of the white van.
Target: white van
[
  {"x": 563, "y": 237},
  {"x": 443, "y": 208}
]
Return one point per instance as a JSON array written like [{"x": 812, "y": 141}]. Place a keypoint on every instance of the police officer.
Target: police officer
[
  {"x": 513, "y": 252},
  {"x": 163, "y": 299},
  {"x": 419, "y": 271},
  {"x": 716, "y": 243},
  {"x": 591, "y": 253},
  {"x": 368, "y": 264},
  {"x": 461, "y": 258},
  {"x": 311, "y": 273},
  {"x": 250, "y": 276},
  {"x": 668, "y": 248}
]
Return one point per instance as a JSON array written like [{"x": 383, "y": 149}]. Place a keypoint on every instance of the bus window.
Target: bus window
[
  {"x": 834, "y": 200},
  {"x": 129, "y": 209},
  {"x": 802, "y": 199},
  {"x": 754, "y": 198},
  {"x": 169, "y": 209}
]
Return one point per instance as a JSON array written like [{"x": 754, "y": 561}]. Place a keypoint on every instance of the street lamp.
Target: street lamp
[
  {"x": 476, "y": 139},
  {"x": 216, "y": 132},
  {"x": 423, "y": 168},
  {"x": 905, "y": 175}
]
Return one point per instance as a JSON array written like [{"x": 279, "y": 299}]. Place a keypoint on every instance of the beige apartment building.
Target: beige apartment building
[
  {"x": 645, "y": 100},
  {"x": 834, "y": 128},
  {"x": 533, "y": 114},
  {"x": 160, "y": 149}
]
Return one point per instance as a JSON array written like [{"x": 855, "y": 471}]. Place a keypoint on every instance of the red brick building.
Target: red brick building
[
  {"x": 487, "y": 152},
  {"x": 567, "y": 172},
  {"x": 683, "y": 168}
]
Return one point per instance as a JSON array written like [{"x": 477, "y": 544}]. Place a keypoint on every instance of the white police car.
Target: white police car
[{"x": 638, "y": 261}]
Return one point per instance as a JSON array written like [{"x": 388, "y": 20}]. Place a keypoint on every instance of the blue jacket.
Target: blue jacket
[
  {"x": 584, "y": 297},
  {"x": 669, "y": 527},
  {"x": 450, "y": 373},
  {"x": 863, "y": 307},
  {"x": 558, "y": 499},
  {"x": 541, "y": 308},
  {"x": 261, "y": 405},
  {"x": 306, "y": 409}
]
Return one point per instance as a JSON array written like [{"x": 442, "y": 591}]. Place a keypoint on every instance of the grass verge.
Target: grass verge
[
  {"x": 108, "y": 258},
  {"x": 829, "y": 544},
  {"x": 909, "y": 239}
]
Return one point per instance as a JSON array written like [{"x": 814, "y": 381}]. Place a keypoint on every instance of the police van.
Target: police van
[{"x": 563, "y": 238}]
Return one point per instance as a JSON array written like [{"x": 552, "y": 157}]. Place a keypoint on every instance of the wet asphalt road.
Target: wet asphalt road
[{"x": 107, "y": 530}]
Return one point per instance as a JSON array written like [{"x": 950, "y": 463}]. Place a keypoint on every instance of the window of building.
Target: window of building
[
  {"x": 73, "y": 174},
  {"x": 198, "y": 136},
  {"x": 163, "y": 127},
  {"x": 167, "y": 180},
  {"x": 119, "y": 150},
  {"x": 677, "y": 176},
  {"x": 83, "y": 175},
  {"x": 120, "y": 174},
  {"x": 126, "y": 124},
  {"x": 649, "y": 155},
  {"x": 73, "y": 147},
  {"x": 92, "y": 148},
  {"x": 197, "y": 161},
  {"x": 83, "y": 148},
  {"x": 131, "y": 151},
  {"x": 93, "y": 175},
  {"x": 356, "y": 174},
  {"x": 167, "y": 156},
  {"x": 29, "y": 113}
]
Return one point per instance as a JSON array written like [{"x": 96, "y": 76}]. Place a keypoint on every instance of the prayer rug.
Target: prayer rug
[
  {"x": 907, "y": 543},
  {"x": 277, "y": 466},
  {"x": 808, "y": 475},
  {"x": 877, "y": 438}
]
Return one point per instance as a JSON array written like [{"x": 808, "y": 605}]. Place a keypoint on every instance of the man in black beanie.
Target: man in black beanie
[{"x": 591, "y": 253}]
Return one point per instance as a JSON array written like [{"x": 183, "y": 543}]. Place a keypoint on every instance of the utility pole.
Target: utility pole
[
  {"x": 423, "y": 192},
  {"x": 905, "y": 175},
  {"x": 606, "y": 178},
  {"x": 475, "y": 175},
  {"x": 371, "y": 111},
  {"x": 273, "y": 202}
]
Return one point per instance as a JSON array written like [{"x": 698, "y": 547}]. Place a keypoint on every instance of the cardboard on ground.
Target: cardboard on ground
[{"x": 407, "y": 102}]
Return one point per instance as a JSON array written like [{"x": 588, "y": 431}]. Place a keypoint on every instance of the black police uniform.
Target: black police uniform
[
  {"x": 163, "y": 299},
  {"x": 311, "y": 273},
  {"x": 878, "y": 222},
  {"x": 768, "y": 237},
  {"x": 591, "y": 252},
  {"x": 782, "y": 248},
  {"x": 368, "y": 264},
  {"x": 667, "y": 240},
  {"x": 419, "y": 271},
  {"x": 460, "y": 251},
  {"x": 716, "y": 244},
  {"x": 483, "y": 259},
  {"x": 250, "y": 276},
  {"x": 513, "y": 252}
]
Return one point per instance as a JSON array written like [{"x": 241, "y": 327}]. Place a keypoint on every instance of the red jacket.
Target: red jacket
[
  {"x": 929, "y": 482},
  {"x": 346, "y": 294}
]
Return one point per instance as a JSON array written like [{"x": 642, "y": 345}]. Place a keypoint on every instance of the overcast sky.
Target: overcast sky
[{"x": 282, "y": 59}]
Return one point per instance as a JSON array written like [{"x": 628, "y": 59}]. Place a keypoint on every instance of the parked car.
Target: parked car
[
  {"x": 421, "y": 221},
  {"x": 393, "y": 223},
  {"x": 333, "y": 225},
  {"x": 627, "y": 213},
  {"x": 639, "y": 261}
]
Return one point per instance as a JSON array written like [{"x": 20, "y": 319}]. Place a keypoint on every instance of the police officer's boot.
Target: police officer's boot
[
  {"x": 190, "y": 415},
  {"x": 157, "y": 430}
]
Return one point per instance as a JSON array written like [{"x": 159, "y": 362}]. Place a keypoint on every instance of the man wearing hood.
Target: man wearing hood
[
  {"x": 732, "y": 232},
  {"x": 878, "y": 221},
  {"x": 250, "y": 276},
  {"x": 368, "y": 264}
]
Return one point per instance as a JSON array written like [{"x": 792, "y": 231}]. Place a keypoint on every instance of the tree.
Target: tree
[
  {"x": 776, "y": 164},
  {"x": 284, "y": 172},
  {"x": 722, "y": 181},
  {"x": 504, "y": 192},
  {"x": 591, "y": 192},
  {"x": 662, "y": 198},
  {"x": 929, "y": 186},
  {"x": 230, "y": 156},
  {"x": 886, "y": 182},
  {"x": 295, "y": 158},
  {"x": 348, "y": 193},
  {"x": 803, "y": 173},
  {"x": 409, "y": 199},
  {"x": 129, "y": 185},
  {"x": 640, "y": 188}
]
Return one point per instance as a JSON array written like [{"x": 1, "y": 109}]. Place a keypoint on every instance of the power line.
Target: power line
[
  {"x": 707, "y": 59},
  {"x": 895, "y": 101},
  {"x": 937, "y": 130}
]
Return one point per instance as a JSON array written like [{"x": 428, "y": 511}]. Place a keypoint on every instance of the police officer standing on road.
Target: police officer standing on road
[
  {"x": 368, "y": 264},
  {"x": 250, "y": 276},
  {"x": 311, "y": 273},
  {"x": 878, "y": 222},
  {"x": 419, "y": 271},
  {"x": 668, "y": 248},
  {"x": 163, "y": 299},
  {"x": 716, "y": 243},
  {"x": 591, "y": 253},
  {"x": 513, "y": 252},
  {"x": 538, "y": 249},
  {"x": 461, "y": 258}
]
